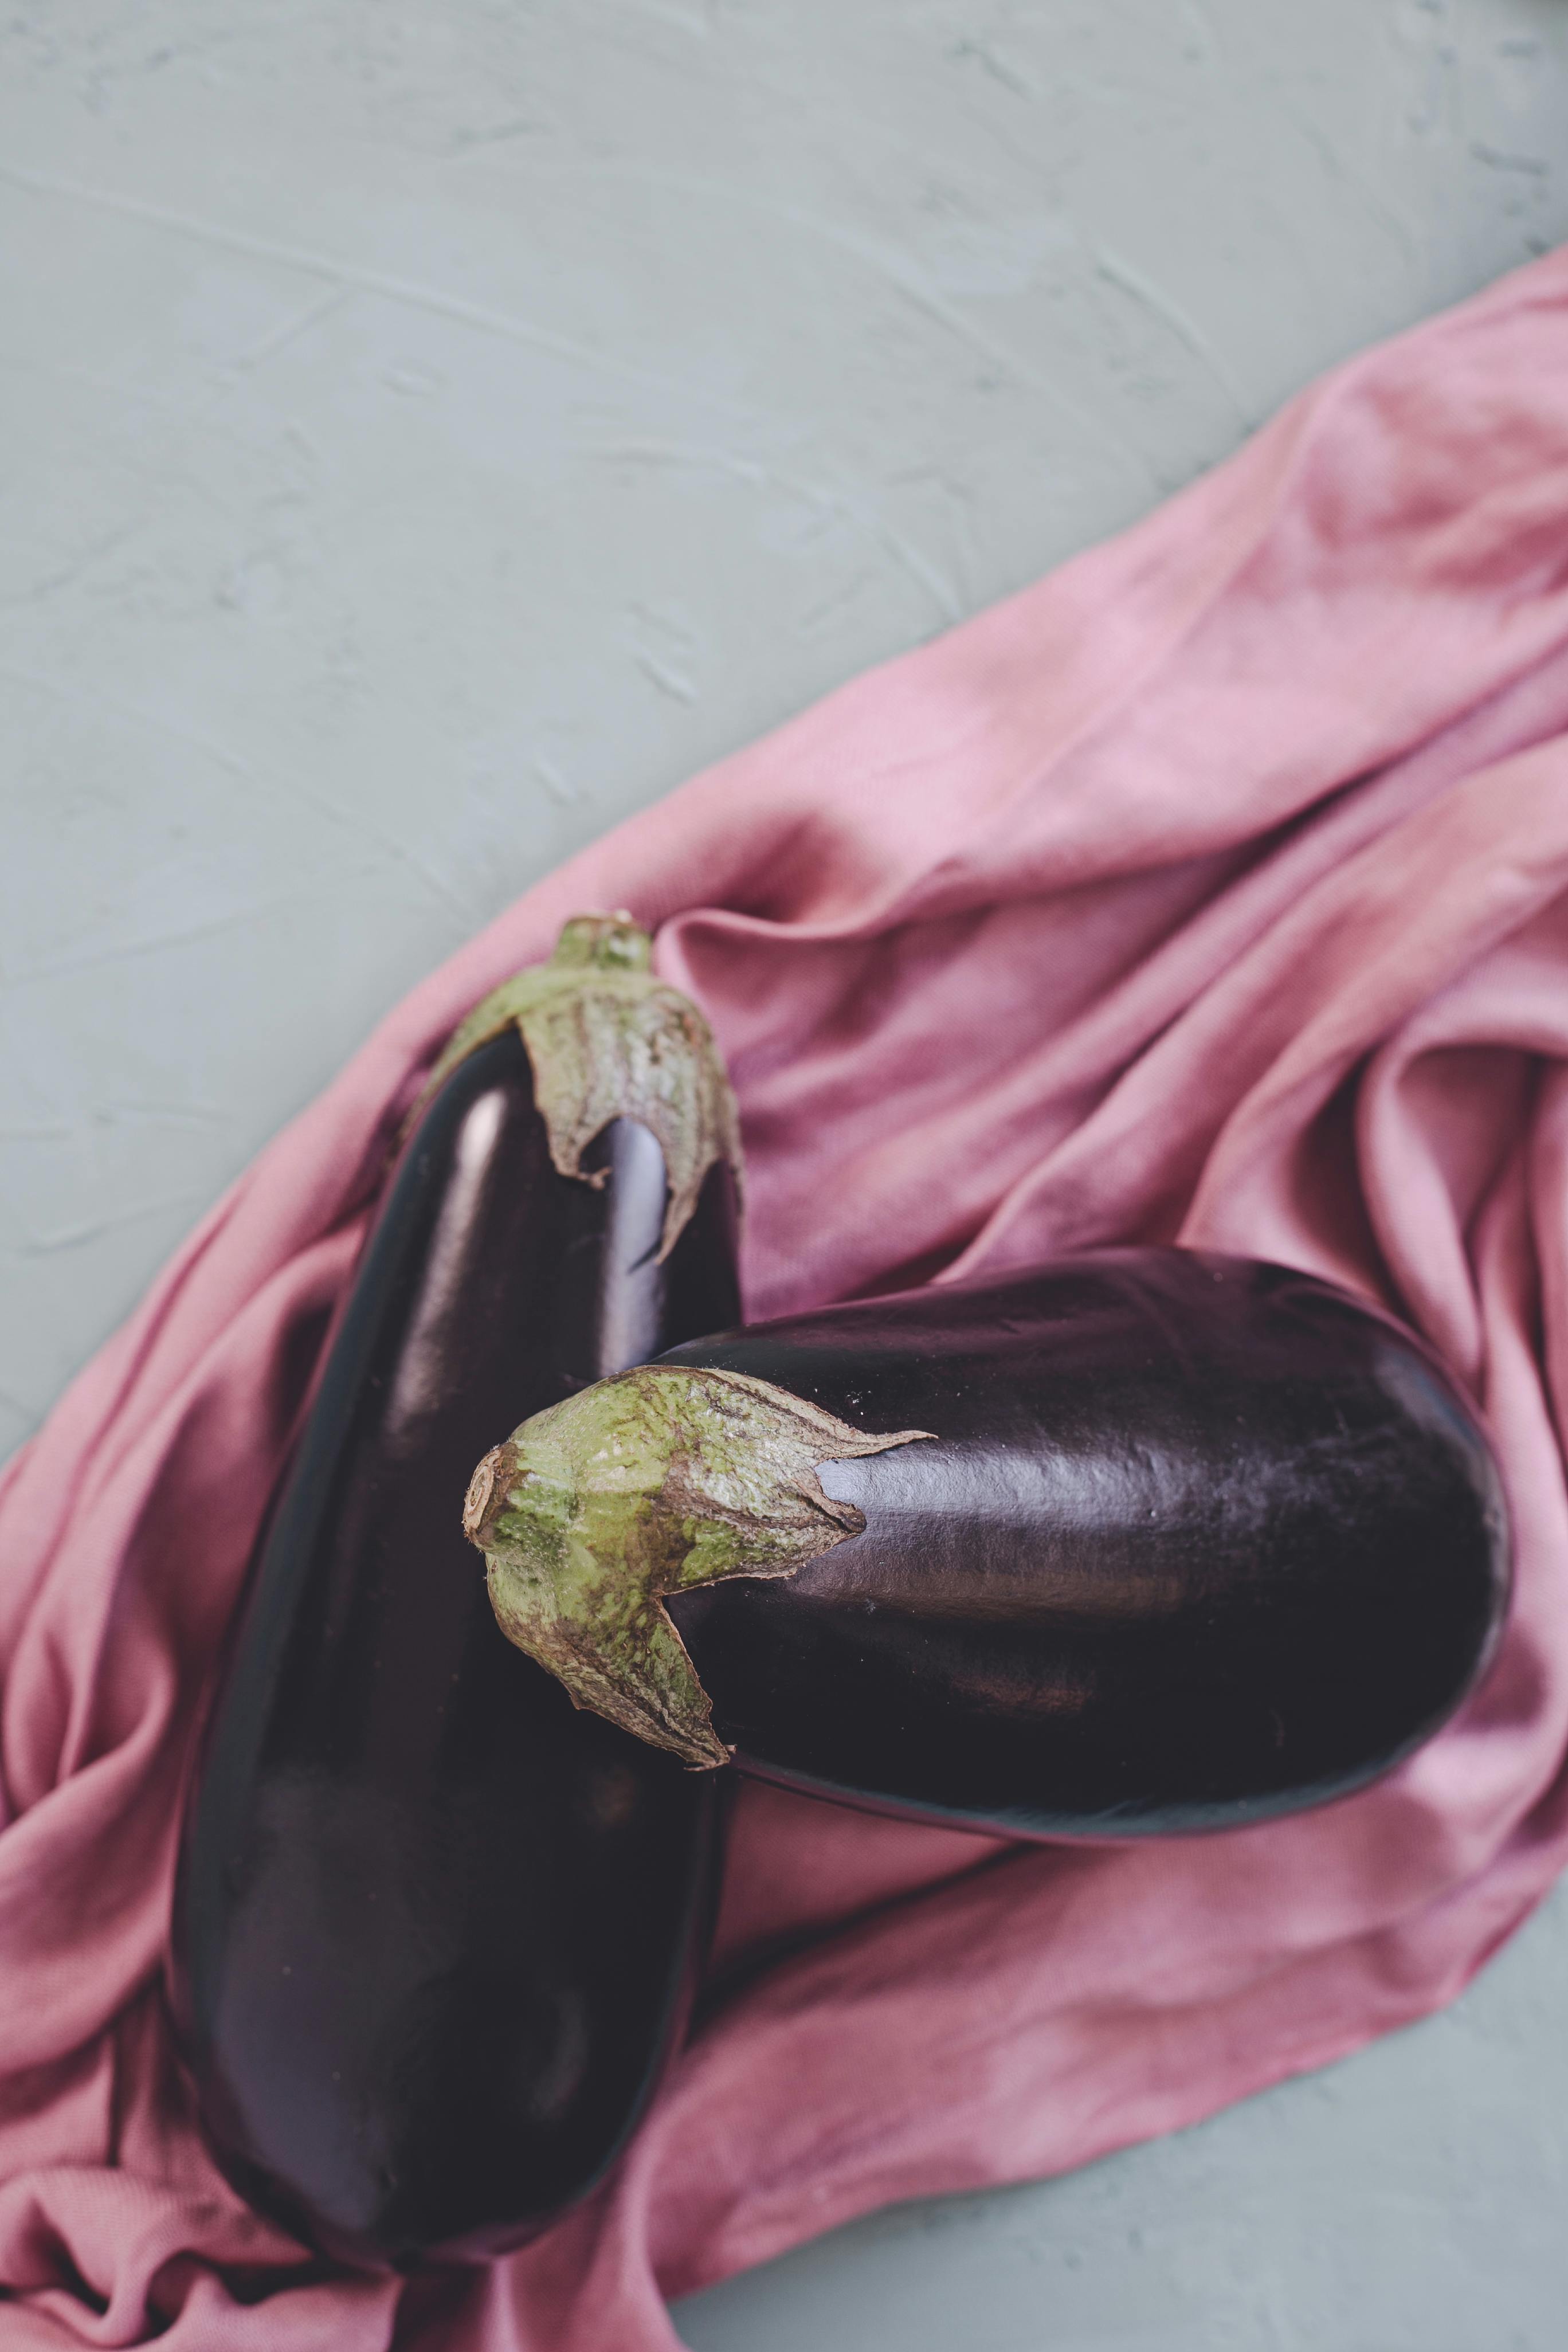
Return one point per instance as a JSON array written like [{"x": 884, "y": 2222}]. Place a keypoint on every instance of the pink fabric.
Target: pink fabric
[{"x": 1216, "y": 888}]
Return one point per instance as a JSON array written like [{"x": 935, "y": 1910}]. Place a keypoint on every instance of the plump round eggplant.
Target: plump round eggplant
[
  {"x": 434, "y": 1929},
  {"x": 1147, "y": 1541}
]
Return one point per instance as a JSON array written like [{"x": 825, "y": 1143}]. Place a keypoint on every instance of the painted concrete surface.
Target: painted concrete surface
[{"x": 431, "y": 431}]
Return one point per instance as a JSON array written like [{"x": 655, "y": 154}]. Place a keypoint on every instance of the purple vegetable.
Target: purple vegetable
[
  {"x": 1145, "y": 1541},
  {"x": 436, "y": 1930}
]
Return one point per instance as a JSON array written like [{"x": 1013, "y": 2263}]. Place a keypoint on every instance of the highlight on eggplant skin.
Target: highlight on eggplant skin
[
  {"x": 1189, "y": 1541},
  {"x": 435, "y": 1930}
]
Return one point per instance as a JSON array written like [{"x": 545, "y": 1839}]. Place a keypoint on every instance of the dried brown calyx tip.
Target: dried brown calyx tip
[
  {"x": 607, "y": 1039},
  {"x": 663, "y": 1478}
]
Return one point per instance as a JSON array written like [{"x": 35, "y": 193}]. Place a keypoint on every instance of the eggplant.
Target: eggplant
[
  {"x": 435, "y": 1930},
  {"x": 1143, "y": 1542}
]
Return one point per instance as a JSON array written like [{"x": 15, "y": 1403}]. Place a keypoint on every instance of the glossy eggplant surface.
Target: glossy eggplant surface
[
  {"x": 1193, "y": 1540},
  {"x": 435, "y": 1929}
]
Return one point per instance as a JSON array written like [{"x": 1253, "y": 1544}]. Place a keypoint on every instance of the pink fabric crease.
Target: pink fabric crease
[{"x": 1215, "y": 888}]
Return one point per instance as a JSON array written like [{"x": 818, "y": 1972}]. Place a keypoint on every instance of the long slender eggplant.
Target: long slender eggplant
[
  {"x": 435, "y": 1929},
  {"x": 1144, "y": 1541}
]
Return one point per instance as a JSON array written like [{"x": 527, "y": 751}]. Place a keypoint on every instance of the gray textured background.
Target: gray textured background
[{"x": 429, "y": 433}]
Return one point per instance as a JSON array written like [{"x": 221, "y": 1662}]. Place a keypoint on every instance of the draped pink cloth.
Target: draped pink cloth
[{"x": 1215, "y": 888}]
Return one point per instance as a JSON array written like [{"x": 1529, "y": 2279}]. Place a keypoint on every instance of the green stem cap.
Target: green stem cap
[
  {"x": 606, "y": 1039},
  {"x": 665, "y": 1478}
]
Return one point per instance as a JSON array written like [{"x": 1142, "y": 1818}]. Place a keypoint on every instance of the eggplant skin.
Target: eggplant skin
[
  {"x": 1199, "y": 1541},
  {"x": 435, "y": 1931}
]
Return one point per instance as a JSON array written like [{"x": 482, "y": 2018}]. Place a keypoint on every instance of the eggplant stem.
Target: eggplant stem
[
  {"x": 606, "y": 1039},
  {"x": 664, "y": 1479}
]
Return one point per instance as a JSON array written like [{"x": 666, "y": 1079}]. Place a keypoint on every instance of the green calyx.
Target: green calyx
[
  {"x": 606, "y": 1039},
  {"x": 660, "y": 1479}
]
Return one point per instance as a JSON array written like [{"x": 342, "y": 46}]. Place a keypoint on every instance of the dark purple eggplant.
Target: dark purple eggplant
[
  {"x": 434, "y": 1929},
  {"x": 1147, "y": 1541}
]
